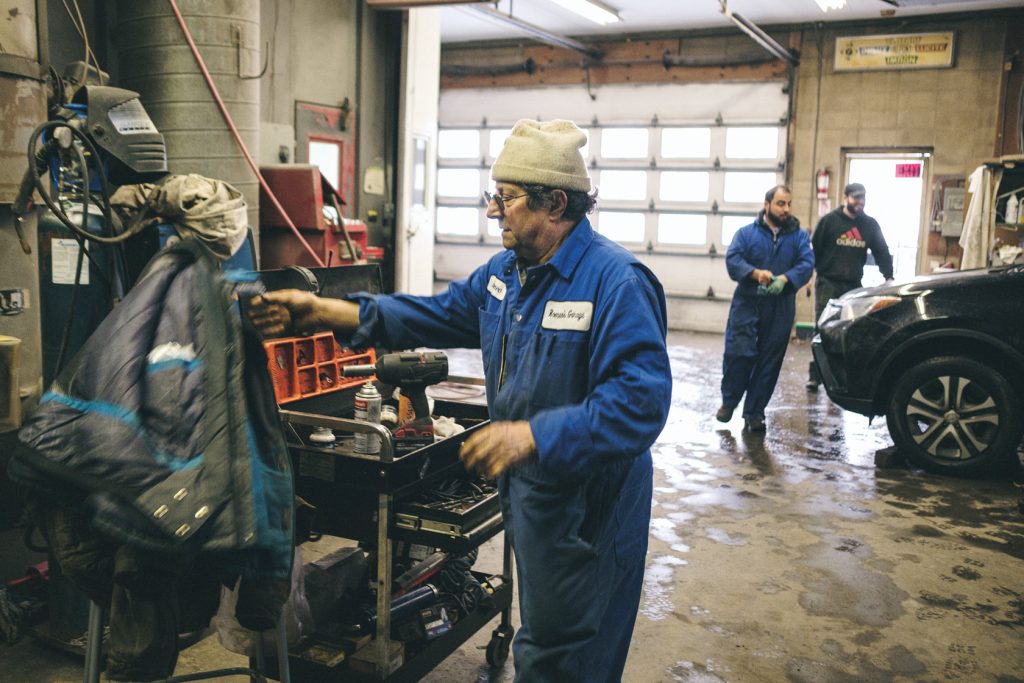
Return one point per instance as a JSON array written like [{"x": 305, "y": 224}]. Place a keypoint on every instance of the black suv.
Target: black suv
[{"x": 941, "y": 356}]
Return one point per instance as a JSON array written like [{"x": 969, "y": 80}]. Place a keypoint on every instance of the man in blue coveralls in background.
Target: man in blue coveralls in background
[
  {"x": 572, "y": 329},
  {"x": 770, "y": 260}
]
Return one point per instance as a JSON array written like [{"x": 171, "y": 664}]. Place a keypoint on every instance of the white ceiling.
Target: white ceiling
[{"x": 463, "y": 23}]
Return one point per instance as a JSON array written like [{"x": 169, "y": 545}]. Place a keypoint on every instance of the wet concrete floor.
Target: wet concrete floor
[{"x": 783, "y": 557}]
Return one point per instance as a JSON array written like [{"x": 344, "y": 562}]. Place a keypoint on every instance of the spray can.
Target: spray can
[{"x": 367, "y": 404}]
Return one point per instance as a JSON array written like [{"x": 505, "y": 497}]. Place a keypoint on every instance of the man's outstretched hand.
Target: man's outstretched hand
[
  {"x": 286, "y": 311},
  {"x": 497, "y": 447}
]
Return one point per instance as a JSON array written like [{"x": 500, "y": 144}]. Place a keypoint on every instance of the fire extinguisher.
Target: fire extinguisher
[{"x": 822, "y": 181}]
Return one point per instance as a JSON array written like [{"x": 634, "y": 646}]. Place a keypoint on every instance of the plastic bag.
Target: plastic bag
[{"x": 295, "y": 615}]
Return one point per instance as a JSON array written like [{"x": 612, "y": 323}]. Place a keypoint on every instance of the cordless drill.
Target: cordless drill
[{"x": 412, "y": 373}]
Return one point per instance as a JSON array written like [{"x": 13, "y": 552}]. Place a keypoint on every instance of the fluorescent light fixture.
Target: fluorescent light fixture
[
  {"x": 594, "y": 11},
  {"x": 826, "y": 5}
]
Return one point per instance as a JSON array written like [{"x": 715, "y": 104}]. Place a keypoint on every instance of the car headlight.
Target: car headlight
[
  {"x": 861, "y": 306},
  {"x": 830, "y": 312}
]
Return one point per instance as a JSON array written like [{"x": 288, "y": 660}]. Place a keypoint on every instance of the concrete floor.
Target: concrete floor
[{"x": 785, "y": 557}]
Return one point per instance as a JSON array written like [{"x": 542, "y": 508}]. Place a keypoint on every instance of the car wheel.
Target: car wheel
[{"x": 954, "y": 415}]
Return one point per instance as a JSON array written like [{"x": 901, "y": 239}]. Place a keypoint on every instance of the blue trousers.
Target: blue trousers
[
  {"x": 756, "y": 338},
  {"x": 580, "y": 549}
]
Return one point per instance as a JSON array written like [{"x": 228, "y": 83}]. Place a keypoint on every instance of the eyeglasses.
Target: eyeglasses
[{"x": 502, "y": 199}]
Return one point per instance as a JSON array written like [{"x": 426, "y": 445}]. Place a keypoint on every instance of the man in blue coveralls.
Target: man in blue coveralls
[
  {"x": 572, "y": 329},
  {"x": 770, "y": 260}
]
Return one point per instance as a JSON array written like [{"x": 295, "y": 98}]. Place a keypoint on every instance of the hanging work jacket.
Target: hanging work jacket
[{"x": 165, "y": 425}]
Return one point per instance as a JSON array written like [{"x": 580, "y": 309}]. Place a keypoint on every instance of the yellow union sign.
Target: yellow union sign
[{"x": 905, "y": 51}]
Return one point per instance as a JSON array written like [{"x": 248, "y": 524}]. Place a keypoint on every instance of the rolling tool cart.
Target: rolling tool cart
[{"x": 406, "y": 495}]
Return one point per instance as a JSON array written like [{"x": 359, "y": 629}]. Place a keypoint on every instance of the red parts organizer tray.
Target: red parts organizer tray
[{"x": 301, "y": 367}]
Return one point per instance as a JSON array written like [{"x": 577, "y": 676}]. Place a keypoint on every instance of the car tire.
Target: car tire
[{"x": 955, "y": 415}]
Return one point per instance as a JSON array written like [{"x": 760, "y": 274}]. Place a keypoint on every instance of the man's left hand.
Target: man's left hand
[
  {"x": 497, "y": 447},
  {"x": 777, "y": 285}
]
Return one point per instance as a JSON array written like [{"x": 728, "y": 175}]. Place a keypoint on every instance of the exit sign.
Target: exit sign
[{"x": 908, "y": 170}]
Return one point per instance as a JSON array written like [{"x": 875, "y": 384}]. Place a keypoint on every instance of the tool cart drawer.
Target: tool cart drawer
[{"x": 458, "y": 515}]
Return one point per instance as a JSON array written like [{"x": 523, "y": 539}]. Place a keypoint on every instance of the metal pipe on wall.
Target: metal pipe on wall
[{"x": 154, "y": 60}]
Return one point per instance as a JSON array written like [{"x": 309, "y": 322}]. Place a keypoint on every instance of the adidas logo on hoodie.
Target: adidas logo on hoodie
[{"x": 851, "y": 238}]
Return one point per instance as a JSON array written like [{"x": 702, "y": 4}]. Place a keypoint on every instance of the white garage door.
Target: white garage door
[{"x": 679, "y": 168}]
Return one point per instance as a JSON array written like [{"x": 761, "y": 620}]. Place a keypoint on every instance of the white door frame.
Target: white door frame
[{"x": 924, "y": 155}]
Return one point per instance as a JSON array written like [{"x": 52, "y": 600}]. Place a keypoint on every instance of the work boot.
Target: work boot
[
  {"x": 754, "y": 425},
  {"x": 813, "y": 377},
  {"x": 724, "y": 414}
]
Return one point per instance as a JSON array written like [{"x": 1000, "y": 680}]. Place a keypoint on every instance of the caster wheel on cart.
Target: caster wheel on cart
[{"x": 498, "y": 648}]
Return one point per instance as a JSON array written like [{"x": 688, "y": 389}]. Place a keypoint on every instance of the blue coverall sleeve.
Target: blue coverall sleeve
[
  {"x": 800, "y": 272},
  {"x": 631, "y": 386},
  {"x": 736, "y": 257},
  {"x": 403, "y": 321}
]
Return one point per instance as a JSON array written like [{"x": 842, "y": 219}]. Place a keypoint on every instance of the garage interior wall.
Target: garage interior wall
[
  {"x": 953, "y": 112},
  {"x": 318, "y": 51},
  {"x": 327, "y": 52}
]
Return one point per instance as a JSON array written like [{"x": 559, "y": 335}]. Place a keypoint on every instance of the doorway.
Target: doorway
[{"x": 895, "y": 198}]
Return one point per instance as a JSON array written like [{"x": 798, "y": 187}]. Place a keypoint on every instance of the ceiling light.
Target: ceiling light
[
  {"x": 595, "y": 11},
  {"x": 826, "y": 5}
]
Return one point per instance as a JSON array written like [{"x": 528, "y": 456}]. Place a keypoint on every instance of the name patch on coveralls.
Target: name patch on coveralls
[
  {"x": 568, "y": 315},
  {"x": 497, "y": 288}
]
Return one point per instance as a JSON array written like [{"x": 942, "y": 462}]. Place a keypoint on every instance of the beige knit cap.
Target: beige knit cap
[{"x": 544, "y": 153}]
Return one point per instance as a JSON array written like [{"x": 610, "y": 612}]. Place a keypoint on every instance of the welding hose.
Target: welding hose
[
  {"x": 137, "y": 224},
  {"x": 459, "y": 585}
]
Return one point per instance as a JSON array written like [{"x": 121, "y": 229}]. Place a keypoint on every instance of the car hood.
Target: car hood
[{"x": 956, "y": 279}]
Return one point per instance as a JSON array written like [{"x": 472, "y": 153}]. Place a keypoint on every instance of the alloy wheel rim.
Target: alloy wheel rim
[{"x": 953, "y": 417}]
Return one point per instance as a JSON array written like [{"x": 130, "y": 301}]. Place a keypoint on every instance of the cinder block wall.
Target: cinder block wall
[{"x": 952, "y": 111}]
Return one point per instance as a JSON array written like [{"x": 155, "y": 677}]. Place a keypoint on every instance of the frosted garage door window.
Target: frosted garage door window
[
  {"x": 730, "y": 224},
  {"x": 458, "y": 144},
  {"x": 748, "y": 187},
  {"x": 458, "y": 182},
  {"x": 621, "y": 226},
  {"x": 684, "y": 186},
  {"x": 686, "y": 143},
  {"x": 496, "y": 141},
  {"x": 682, "y": 228},
  {"x": 624, "y": 143},
  {"x": 623, "y": 185},
  {"x": 751, "y": 143},
  {"x": 463, "y": 221}
]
